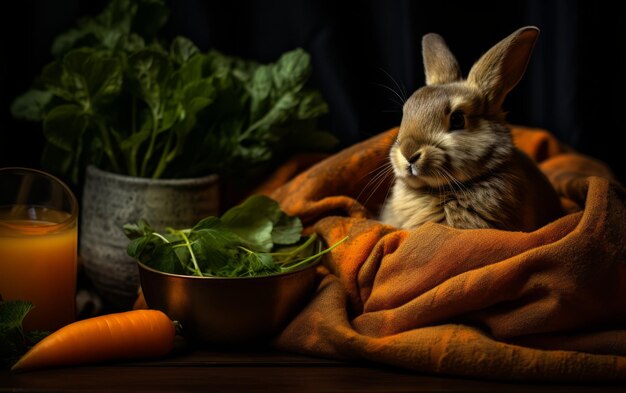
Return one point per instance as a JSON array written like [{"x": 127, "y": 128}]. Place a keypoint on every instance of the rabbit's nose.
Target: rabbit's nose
[
  {"x": 414, "y": 158},
  {"x": 412, "y": 167}
]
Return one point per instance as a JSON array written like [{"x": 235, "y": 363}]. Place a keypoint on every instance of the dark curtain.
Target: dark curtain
[{"x": 366, "y": 57}]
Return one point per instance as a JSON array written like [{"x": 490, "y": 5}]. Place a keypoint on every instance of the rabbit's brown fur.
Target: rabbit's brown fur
[{"x": 454, "y": 160}]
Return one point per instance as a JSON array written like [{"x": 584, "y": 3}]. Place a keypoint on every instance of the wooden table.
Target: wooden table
[{"x": 194, "y": 370}]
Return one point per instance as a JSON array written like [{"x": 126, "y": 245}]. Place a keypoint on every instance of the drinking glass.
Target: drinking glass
[{"x": 38, "y": 246}]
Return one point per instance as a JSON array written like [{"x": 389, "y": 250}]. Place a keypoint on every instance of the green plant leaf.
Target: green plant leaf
[
  {"x": 14, "y": 341},
  {"x": 57, "y": 81},
  {"x": 168, "y": 259},
  {"x": 122, "y": 24},
  {"x": 249, "y": 264},
  {"x": 172, "y": 112},
  {"x": 145, "y": 241},
  {"x": 137, "y": 247},
  {"x": 312, "y": 105},
  {"x": 64, "y": 125},
  {"x": 141, "y": 228},
  {"x": 197, "y": 96},
  {"x": 134, "y": 43},
  {"x": 151, "y": 79},
  {"x": 194, "y": 97},
  {"x": 279, "y": 112},
  {"x": 292, "y": 71},
  {"x": 63, "y": 128},
  {"x": 31, "y": 105},
  {"x": 116, "y": 19},
  {"x": 101, "y": 76},
  {"x": 140, "y": 136},
  {"x": 260, "y": 87},
  {"x": 207, "y": 223},
  {"x": 12, "y": 314},
  {"x": 182, "y": 50},
  {"x": 148, "y": 72},
  {"x": 254, "y": 220},
  {"x": 214, "y": 248},
  {"x": 254, "y": 151},
  {"x": 287, "y": 229},
  {"x": 84, "y": 77},
  {"x": 192, "y": 70},
  {"x": 105, "y": 30},
  {"x": 71, "y": 39}
]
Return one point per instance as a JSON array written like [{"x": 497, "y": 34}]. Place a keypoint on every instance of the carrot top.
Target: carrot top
[{"x": 14, "y": 341}]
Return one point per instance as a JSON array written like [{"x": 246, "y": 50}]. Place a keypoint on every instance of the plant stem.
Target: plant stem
[
  {"x": 132, "y": 160},
  {"x": 193, "y": 256},
  {"x": 165, "y": 158},
  {"x": 293, "y": 253},
  {"x": 312, "y": 257},
  {"x": 161, "y": 237},
  {"x": 108, "y": 149},
  {"x": 133, "y": 115},
  {"x": 244, "y": 135},
  {"x": 150, "y": 150}
]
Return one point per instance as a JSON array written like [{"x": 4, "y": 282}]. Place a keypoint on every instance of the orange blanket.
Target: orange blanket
[{"x": 546, "y": 305}]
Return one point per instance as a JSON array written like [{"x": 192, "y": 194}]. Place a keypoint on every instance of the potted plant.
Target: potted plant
[{"x": 148, "y": 127}]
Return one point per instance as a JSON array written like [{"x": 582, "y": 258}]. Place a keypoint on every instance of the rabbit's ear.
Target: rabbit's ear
[
  {"x": 440, "y": 65},
  {"x": 502, "y": 67}
]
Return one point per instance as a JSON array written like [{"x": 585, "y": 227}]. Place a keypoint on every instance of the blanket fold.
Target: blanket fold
[{"x": 545, "y": 305}]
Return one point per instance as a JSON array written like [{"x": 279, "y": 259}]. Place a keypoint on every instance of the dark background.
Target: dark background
[{"x": 367, "y": 51}]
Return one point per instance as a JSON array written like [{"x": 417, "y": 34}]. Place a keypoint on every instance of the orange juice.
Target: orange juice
[{"x": 38, "y": 263}]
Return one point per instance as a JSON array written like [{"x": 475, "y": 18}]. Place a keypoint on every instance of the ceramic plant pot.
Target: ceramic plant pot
[{"x": 111, "y": 200}]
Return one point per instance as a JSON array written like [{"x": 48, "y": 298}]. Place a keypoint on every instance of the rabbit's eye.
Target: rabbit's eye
[{"x": 457, "y": 121}]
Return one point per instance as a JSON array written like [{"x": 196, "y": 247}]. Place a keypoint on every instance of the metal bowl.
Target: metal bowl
[{"x": 225, "y": 310}]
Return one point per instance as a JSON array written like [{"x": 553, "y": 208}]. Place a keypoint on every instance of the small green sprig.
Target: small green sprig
[{"x": 14, "y": 341}]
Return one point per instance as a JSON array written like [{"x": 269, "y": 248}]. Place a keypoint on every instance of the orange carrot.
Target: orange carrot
[{"x": 126, "y": 335}]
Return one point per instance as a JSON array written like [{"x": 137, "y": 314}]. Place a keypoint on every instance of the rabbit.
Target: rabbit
[{"x": 453, "y": 160}]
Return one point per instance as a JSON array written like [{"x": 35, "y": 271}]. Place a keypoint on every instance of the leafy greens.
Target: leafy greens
[
  {"x": 14, "y": 341},
  {"x": 253, "y": 239},
  {"x": 120, "y": 99}
]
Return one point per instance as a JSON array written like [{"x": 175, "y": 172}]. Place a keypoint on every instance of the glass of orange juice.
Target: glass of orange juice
[{"x": 38, "y": 246}]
